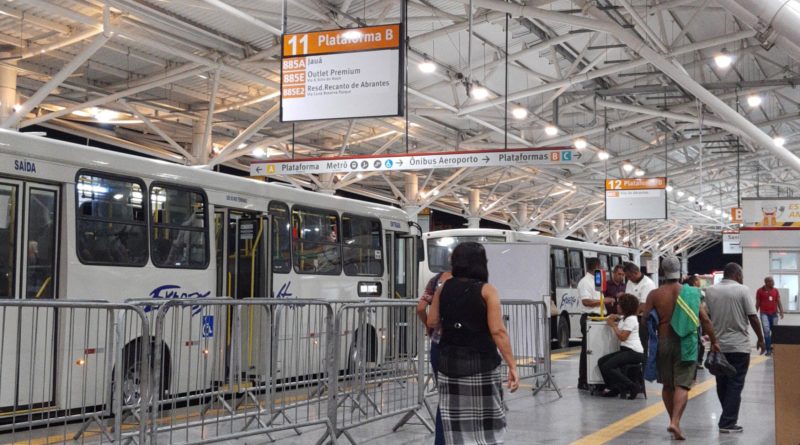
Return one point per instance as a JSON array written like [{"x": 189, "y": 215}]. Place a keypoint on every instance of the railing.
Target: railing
[{"x": 197, "y": 371}]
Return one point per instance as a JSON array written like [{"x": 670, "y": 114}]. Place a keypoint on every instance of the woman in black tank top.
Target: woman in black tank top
[{"x": 468, "y": 309}]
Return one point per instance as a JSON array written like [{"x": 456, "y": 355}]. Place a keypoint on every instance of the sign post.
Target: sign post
[
  {"x": 536, "y": 157},
  {"x": 342, "y": 74},
  {"x": 639, "y": 198}
]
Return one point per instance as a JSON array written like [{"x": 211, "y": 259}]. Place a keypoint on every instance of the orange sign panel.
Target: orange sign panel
[
  {"x": 341, "y": 40},
  {"x": 636, "y": 184}
]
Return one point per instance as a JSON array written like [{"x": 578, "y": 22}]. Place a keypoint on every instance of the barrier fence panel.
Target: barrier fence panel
[
  {"x": 380, "y": 352},
  {"x": 228, "y": 369},
  {"x": 72, "y": 371},
  {"x": 528, "y": 326}
]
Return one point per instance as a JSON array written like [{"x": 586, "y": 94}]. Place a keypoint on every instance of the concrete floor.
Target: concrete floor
[{"x": 578, "y": 418}]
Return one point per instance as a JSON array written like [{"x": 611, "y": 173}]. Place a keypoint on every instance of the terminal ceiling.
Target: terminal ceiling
[{"x": 149, "y": 76}]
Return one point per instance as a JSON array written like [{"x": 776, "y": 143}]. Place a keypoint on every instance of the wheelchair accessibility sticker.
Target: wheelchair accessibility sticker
[{"x": 208, "y": 326}]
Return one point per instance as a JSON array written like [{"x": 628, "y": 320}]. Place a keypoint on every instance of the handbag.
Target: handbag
[{"x": 718, "y": 365}]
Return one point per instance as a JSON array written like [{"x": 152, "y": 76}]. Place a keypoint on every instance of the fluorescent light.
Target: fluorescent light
[
  {"x": 627, "y": 166},
  {"x": 603, "y": 155},
  {"x": 478, "y": 92},
  {"x": 669, "y": 188},
  {"x": 352, "y": 34},
  {"x": 594, "y": 229},
  {"x": 709, "y": 207},
  {"x": 679, "y": 193},
  {"x": 718, "y": 212},
  {"x": 754, "y": 100},
  {"x": 551, "y": 130},
  {"x": 360, "y": 176},
  {"x": 435, "y": 192},
  {"x": 580, "y": 143},
  {"x": 639, "y": 172},
  {"x": 259, "y": 152},
  {"x": 105, "y": 115},
  {"x": 519, "y": 113},
  {"x": 426, "y": 66},
  {"x": 242, "y": 145},
  {"x": 779, "y": 141},
  {"x": 690, "y": 198},
  {"x": 723, "y": 59}
]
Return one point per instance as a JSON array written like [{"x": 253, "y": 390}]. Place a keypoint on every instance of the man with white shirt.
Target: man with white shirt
[
  {"x": 590, "y": 305},
  {"x": 639, "y": 284}
]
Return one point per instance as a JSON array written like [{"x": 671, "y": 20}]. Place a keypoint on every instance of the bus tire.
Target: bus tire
[
  {"x": 132, "y": 375},
  {"x": 363, "y": 349},
  {"x": 563, "y": 331}
]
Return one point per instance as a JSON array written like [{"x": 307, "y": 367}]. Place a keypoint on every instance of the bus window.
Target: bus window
[
  {"x": 8, "y": 239},
  {"x": 615, "y": 260},
  {"x": 315, "y": 242},
  {"x": 575, "y": 267},
  {"x": 560, "y": 268},
  {"x": 439, "y": 249},
  {"x": 281, "y": 237},
  {"x": 603, "y": 261},
  {"x": 111, "y": 224},
  {"x": 362, "y": 248},
  {"x": 180, "y": 238}
]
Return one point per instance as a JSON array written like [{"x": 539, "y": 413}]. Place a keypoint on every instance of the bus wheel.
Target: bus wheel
[
  {"x": 563, "y": 332},
  {"x": 133, "y": 375}
]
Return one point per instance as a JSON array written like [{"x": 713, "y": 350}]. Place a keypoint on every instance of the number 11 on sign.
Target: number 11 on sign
[{"x": 303, "y": 42}]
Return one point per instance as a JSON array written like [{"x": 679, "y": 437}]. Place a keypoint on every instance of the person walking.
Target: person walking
[
  {"x": 590, "y": 306},
  {"x": 731, "y": 308},
  {"x": 435, "y": 335},
  {"x": 768, "y": 303},
  {"x": 674, "y": 373},
  {"x": 626, "y": 328},
  {"x": 467, "y": 308}
]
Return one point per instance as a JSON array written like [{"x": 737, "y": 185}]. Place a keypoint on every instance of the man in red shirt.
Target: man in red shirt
[{"x": 768, "y": 302}]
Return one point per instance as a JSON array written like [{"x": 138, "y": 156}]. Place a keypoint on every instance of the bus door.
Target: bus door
[
  {"x": 29, "y": 216},
  {"x": 252, "y": 279},
  {"x": 403, "y": 282}
]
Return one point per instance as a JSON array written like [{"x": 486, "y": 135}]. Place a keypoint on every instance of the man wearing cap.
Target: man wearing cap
[
  {"x": 639, "y": 285},
  {"x": 675, "y": 366}
]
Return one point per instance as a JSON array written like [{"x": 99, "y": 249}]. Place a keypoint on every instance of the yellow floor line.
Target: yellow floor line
[{"x": 638, "y": 418}]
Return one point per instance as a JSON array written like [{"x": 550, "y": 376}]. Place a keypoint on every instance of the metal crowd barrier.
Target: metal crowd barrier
[
  {"x": 243, "y": 367},
  {"x": 195, "y": 371},
  {"x": 528, "y": 326},
  {"x": 380, "y": 349},
  {"x": 72, "y": 370}
]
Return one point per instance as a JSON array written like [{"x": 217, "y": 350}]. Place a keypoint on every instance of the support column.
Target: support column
[
  {"x": 412, "y": 196},
  {"x": 8, "y": 87},
  {"x": 561, "y": 223},
  {"x": 655, "y": 263},
  {"x": 200, "y": 152},
  {"x": 522, "y": 215},
  {"x": 474, "y": 218},
  {"x": 326, "y": 179},
  {"x": 685, "y": 263}
]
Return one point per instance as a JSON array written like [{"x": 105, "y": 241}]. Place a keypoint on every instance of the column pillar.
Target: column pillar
[
  {"x": 412, "y": 196},
  {"x": 474, "y": 218},
  {"x": 522, "y": 215},
  {"x": 8, "y": 87},
  {"x": 200, "y": 152}
]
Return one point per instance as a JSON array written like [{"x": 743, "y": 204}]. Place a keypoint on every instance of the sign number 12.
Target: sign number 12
[{"x": 303, "y": 42}]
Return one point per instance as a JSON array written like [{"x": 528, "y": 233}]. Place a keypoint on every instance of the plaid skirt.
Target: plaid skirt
[{"x": 472, "y": 408}]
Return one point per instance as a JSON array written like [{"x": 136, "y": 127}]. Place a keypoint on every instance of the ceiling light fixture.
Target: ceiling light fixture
[
  {"x": 669, "y": 188},
  {"x": 519, "y": 113},
  {"x": 259, "y": 152},
  {"x": 690, "y": 198},
  {"x": 723, "y": 59},
  {"x": 778, "y": 141},
  {"x": 679, "y": 193},
  {"x": 603, "y": 155},
  {"x": 580, "y": 143},
  {"x": 551, "y": 130},
  {"x": 360, "y": 176},
  {"x": 427, "y": 66},
  {"x": 105, "y": 116},
  {"x": 753, "y": 100},
  {"x": 627, "y": 166},
  {"x": 639, "y": 172},
  {"x": 478, "y": 92}
]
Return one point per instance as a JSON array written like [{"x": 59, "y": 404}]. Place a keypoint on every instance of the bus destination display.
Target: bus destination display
[{"x": 341, "y": 74}]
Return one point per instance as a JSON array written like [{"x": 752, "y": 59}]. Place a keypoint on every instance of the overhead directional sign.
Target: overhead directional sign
[
  {"x": 731, "y": 242},
  {"x": 639, "y": 198},
  {"x": 526, "y": 157},
  {"x": 342, "y": 74}
]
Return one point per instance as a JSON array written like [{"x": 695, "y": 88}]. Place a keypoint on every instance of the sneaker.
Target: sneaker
[{"x": 731, "y": 429}]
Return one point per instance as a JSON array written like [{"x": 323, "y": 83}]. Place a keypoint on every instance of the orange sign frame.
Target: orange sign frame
[
  {"x": 636, "y": 184},
  {"x": 342, "y": 40}
]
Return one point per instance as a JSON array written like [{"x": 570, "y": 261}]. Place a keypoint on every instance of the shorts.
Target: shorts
[{"x": 672, "y": 371}]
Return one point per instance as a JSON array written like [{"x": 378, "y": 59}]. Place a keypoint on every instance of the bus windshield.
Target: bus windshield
[{"x": 439, "y": 249}]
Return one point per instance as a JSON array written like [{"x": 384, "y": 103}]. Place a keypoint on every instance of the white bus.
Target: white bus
[
  {"x": 564, "y": 260},
  {"x": 83, "y": 223}
]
